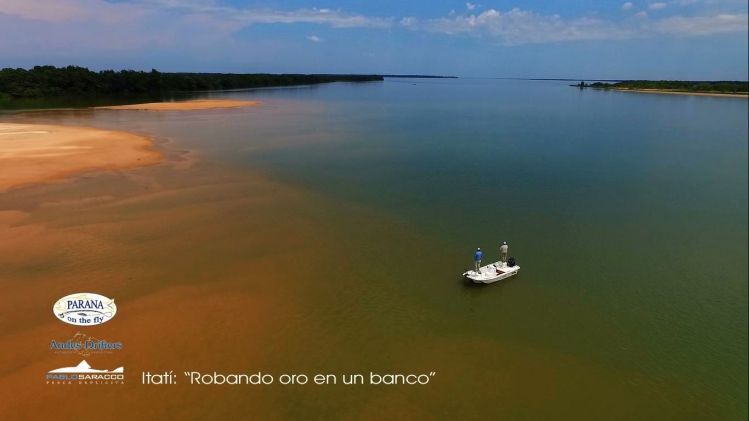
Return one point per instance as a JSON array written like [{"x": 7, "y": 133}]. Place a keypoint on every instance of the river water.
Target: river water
[{"x": 325, "y": 231}]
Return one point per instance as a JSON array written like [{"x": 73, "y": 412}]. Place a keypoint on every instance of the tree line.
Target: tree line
[
  {"x": 51, "y": 81},
  {"x": 726, "y": 86}
]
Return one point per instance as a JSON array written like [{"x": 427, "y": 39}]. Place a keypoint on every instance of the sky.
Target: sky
[{"x": 585, "y": 39}]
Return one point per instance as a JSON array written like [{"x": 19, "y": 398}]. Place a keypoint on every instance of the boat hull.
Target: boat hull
[{"x": 491, "y": 273}]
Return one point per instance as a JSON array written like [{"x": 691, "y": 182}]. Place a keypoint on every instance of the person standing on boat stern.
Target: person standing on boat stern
[
  {"x": 477, "y": 258},
  {"x": 503, "y": 252}
]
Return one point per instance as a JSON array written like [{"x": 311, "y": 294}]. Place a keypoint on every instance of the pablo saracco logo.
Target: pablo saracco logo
[
  {"x": 84, "y": 309},
  {"x": 83, "y": 373}
]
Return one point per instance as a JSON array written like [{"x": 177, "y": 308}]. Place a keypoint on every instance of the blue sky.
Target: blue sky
[{"x": 668, "y": 39}]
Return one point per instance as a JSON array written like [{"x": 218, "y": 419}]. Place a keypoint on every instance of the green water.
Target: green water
[{"x": 627, "y": 213}]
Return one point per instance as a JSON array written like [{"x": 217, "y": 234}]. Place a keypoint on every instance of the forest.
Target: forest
[
  {"x": 728, "y": 87},
  {"x": 51, "y": 81}
]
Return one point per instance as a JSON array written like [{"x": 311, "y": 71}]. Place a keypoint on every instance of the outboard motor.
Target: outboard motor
[{"x": 511, "y": 262}]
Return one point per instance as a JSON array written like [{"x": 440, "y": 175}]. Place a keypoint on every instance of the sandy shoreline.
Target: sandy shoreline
[
  {"x": 34, "y": 153},
  {"x": 197, "y": 104},
  {"x": 665, "y": 92}
]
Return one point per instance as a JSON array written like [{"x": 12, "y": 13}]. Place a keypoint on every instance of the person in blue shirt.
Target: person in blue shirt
[{"x": 477, "y": 258}]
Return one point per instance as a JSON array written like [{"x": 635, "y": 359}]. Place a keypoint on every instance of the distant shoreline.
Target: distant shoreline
[
  {"x": 422, "y": 76},
  {"x": 725, "y": 88},
  {"x": 51, "y": 82},
  {"x": 668, "y": 92}
]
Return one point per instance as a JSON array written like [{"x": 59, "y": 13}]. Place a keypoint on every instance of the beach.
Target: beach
[
  {"x": 191, "y": 105},
  {"x": 33, "y": 153}
]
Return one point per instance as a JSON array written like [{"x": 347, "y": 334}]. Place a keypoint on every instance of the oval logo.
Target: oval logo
[{"x": 84, "y": 309}]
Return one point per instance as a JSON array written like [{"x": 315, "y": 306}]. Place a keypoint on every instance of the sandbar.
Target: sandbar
[
  {"x": 667, "y": 92},
  {"x": 196, "y": 104},
  {"x": 34, "y": 153}
]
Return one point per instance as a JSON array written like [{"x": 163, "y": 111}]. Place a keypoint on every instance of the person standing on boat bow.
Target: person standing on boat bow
[
  {"x": 477, "y": 258},
  {"x": 503, "y": 252}
]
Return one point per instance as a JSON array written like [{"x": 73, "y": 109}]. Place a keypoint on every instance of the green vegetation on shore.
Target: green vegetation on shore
[
  {"x": 722, "y": 87},
  {"x": 412, "y": 76},
  {"x": 50, "y": 81}
]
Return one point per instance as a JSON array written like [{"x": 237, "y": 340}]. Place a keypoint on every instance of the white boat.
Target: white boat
[{"x": 492, "y": 272}]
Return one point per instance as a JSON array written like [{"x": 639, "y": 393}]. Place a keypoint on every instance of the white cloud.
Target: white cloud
[
  {"x": 203, "y": 10},
  {"x": 73, "y": 25},
  {"x": 335, "y": 19},
  {"x": 657, "y": 6},
  {"x": 702, "y": 25},
  {"x": 522, "y": 27},
  {"x": 408, "y": 21},
  {"x": 71, "y": 10},
  {"x": 626, "y": 6},
  {"x": 250, "y": 16},
  {"x": 470, "y": 6},
  {"x": 518, "y": 26}
]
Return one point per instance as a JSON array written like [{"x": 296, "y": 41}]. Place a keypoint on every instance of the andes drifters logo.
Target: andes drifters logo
[
  {"x": 84, "y": 309},
  {"x": 84, "y": 345}
]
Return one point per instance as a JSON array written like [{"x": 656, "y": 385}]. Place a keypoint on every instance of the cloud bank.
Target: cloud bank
[
  {"x": 92, "y": 24},
  {"x": 517, "y": 27}
]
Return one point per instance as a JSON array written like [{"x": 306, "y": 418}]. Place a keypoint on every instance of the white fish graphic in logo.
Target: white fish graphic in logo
[
  {"x": 83, "y": 367},
  {"x": 84, "y": 309}
]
